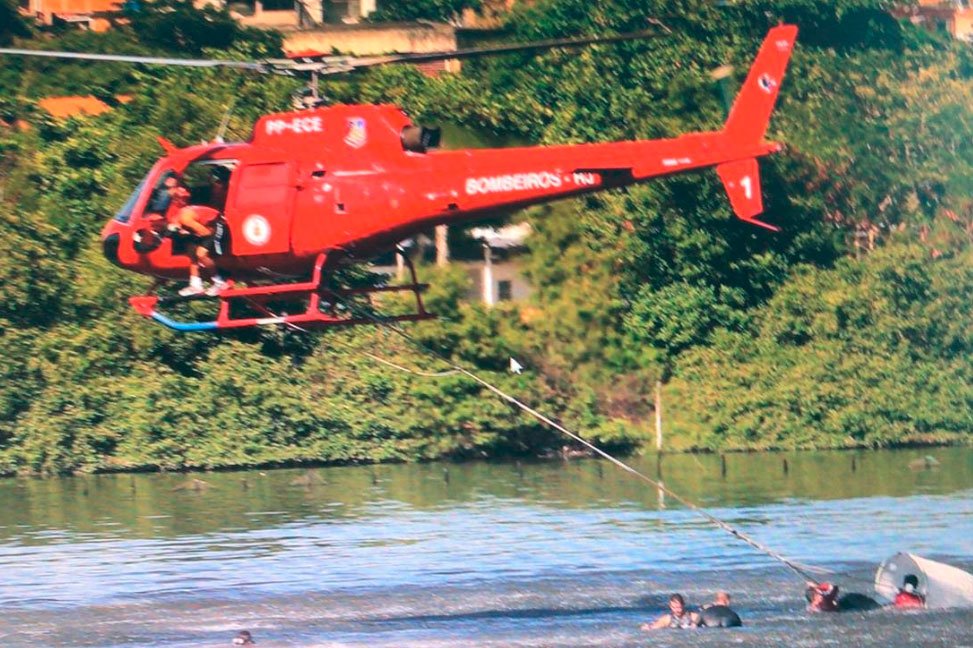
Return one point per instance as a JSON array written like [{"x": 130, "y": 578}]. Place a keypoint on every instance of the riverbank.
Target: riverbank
[{"x": 557, "y": 454}]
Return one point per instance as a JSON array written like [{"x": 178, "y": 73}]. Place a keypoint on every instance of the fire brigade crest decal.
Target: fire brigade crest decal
[
  {"x": 767, "y": 83},
  {"x": 256, "y": 229},
  {"x": 357, "y": 135}
]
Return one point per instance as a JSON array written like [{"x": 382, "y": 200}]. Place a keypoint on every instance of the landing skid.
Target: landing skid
[{"x": 324, "y": 305}]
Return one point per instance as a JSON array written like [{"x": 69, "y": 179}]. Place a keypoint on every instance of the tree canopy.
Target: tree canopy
[{"x": 851, "y": 327}]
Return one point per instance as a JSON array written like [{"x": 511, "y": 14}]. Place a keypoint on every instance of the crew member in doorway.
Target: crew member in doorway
[
  {"x": 678, "y": 616},
  {"x": 196, "y": 223}
]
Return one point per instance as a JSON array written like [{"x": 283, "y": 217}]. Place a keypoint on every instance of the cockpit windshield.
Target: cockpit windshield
[
  {"x": 125, "y": 213},
  {"x": 206, "y": 181}
]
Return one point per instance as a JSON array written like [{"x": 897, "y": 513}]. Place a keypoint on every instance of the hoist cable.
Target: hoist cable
[{"x": 802, "y": 570}]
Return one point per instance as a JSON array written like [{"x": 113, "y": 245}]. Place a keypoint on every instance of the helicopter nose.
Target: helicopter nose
[{"x": 109, "y": 246}]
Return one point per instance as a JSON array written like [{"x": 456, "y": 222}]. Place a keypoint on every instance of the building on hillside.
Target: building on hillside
[
  {"x": 83, "y": 13},
  {"x": 368, "y": 39},
  {"x": 324, "y": 26},
  {"x": 953, "y": 17},
  {"x": 267, "y": 14},
  {"x": 347, "y": 11},
  {"x": 295, "y": 14},
  {"x": 492, "y": 262},
  {"x": 490, "y": 15},
  {"x": 283, "y": 15},
  {"x": 313, "y": 13},
  {"x": 499, "y": 276}
]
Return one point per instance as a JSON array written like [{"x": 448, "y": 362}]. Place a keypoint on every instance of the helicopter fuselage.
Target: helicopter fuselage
[
  {"x": 340, "y": 179},
  {"x": 351, "y": 181}
]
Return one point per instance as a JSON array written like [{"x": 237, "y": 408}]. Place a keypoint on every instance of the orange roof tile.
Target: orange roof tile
[
  {"x": 79, "y": 6},
  {"x": 72, "y": 106}
]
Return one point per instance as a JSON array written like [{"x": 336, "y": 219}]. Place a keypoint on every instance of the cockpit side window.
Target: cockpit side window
[
  {"x": 160, "y": 199},
  {"x": 206, "y": 181}
]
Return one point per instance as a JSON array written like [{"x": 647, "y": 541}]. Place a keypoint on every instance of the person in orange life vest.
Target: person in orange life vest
[
  {"x": 196, "y": 223},
  {"x": 822, "y": 597},
  {"x": 908, "y": 596}
]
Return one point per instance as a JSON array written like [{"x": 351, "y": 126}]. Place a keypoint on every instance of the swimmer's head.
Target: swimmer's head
[{"x": 677, "y": 604}]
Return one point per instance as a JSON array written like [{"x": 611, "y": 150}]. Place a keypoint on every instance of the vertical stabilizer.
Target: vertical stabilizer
[
  {"x": 751, "y": 111},
  {"x": 741, "y": 179}
]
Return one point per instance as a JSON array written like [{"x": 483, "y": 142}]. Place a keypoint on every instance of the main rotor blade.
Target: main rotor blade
[
  {"x": 327, "y": 64},
  {"x": 147, "y": 60},
  {"x": 365, "y": 62}
]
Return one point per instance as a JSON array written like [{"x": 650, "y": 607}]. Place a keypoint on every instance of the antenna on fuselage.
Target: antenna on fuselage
[{"x": 221, "y": 131}]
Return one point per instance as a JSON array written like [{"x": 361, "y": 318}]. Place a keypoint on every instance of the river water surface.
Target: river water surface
[{"x": 571, "y": 553}]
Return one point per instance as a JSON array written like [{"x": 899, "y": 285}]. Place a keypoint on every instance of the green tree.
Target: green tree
[
  {"x": 12, "y": 25},
  {"x": 181, "y": 26}
]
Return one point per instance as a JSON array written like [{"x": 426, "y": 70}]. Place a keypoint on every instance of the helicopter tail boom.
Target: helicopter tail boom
[{"x": 753, "y": 106}]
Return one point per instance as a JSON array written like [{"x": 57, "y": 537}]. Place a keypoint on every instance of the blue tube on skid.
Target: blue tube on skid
[{"x": 185, "y": 327}]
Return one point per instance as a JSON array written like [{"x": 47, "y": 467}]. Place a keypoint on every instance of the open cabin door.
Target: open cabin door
[{"x": 259, "y": 216}]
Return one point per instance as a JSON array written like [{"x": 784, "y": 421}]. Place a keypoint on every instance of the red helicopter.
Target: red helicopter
[{"x": 328, "y": 185}]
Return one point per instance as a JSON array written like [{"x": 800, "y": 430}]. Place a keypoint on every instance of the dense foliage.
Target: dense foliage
[
  {"x": 796, "y": 339},
  {"x": 11, "y": 23}
]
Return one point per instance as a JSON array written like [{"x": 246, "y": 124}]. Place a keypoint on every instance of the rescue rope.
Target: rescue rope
[
  {"x": 300, "y": 329},
  {"x": 414, "y": 372},
  {"x": 801, "y": 570}
]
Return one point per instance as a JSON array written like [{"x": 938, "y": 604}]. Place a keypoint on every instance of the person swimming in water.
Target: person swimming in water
[
  {"x": 721, "y": 598},
  {"x": 718, "y": 613},
  {"x": 244, "y": 638},
  {"x": 908, "y": 595},
  {"x": 822, "y": 597},
  {"x": 678, "y": 616}
]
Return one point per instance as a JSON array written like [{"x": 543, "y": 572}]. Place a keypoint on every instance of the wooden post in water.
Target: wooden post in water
[
  {"x": 658, "y": 438},
  {"x": 659, "y": 478},
  {"x": 723, "y": 465},
  {"x": 658, "y": 416}
]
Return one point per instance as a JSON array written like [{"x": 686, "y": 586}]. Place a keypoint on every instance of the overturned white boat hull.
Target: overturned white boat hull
[{"x": 942, "y": 586}]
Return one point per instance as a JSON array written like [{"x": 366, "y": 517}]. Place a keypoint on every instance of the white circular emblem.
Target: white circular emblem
[{"x": 256, "y": 229}]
